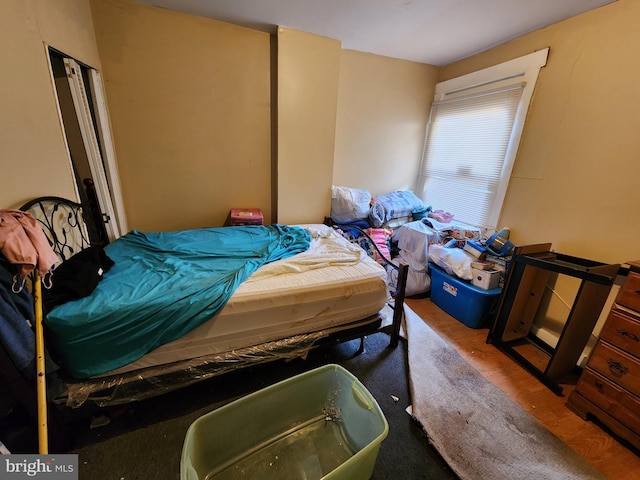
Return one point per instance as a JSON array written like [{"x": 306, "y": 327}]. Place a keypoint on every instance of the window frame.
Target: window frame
[{"x": 523, "y": 70}]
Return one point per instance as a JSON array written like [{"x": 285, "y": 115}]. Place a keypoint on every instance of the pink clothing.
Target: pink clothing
[
  {"x": 380, "y": 236},
  {"x": 23, "y": 243},
  {"x": 441, "y": 216}
]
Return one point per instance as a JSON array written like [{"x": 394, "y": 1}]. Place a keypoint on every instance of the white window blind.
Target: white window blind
[
  {"x": 465, "y": 151},
  {"x": 472, "y": 138}
]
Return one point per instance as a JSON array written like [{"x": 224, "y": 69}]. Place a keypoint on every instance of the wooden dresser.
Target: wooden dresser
[{"x": 609, "y": 387}]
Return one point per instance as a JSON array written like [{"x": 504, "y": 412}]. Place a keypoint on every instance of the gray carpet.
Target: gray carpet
[{"x": 478, "y": 430}]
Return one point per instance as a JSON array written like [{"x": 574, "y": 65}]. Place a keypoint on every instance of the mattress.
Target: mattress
[{"x": 331, "y": 286}]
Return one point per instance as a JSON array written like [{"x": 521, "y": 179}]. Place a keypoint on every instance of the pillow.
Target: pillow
[{"x": 349, "y": 204}]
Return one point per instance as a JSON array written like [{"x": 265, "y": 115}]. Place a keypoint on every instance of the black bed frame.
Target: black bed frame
[{"x": 71, "y": 227}]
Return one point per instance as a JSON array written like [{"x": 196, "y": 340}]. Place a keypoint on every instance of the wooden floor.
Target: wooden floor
[{"x": 586, "y": 438}]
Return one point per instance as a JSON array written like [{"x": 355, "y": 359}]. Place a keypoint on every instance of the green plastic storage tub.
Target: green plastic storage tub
[{"x": 322, "y": 424}]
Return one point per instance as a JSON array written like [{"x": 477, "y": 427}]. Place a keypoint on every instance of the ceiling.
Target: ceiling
[{"x": 436, "y": 32}]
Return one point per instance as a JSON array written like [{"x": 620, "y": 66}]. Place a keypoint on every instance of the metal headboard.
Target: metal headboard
[{"x": 65, "y": 223}]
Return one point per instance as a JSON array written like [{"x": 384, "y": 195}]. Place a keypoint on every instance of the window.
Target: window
[{"x": 472, "y": 138}]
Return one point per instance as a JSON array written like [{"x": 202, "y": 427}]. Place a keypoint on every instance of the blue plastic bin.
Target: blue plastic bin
[{"x": 462, "y": 300}]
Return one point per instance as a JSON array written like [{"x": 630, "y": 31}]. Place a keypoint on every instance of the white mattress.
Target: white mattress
[{"x": 329, "y": 286}]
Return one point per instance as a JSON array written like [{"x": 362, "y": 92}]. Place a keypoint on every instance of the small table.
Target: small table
[{"x": 522, "y": 296}]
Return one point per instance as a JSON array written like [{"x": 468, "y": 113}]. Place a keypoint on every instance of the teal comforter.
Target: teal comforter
[{"x": 162, "y": 286}]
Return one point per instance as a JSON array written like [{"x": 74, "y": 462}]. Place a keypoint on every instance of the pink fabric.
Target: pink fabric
[
  {"x": 380, "y": 237},
  {"x": 23, "y": 243},
  {"x": 441, "y": 216}
]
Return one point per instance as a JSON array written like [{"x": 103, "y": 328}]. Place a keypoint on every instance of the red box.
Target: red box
[{"x": 245, "y": 216}]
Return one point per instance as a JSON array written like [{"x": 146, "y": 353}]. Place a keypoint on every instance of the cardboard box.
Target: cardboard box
[
  {"x": 460, "y": 299},
  {"x": 485, "y": 279}
]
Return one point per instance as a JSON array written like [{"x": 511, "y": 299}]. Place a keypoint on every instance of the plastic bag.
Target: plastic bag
[
  {"x": 418, "y": 281},
  {"x": 454, "y": 261},
  {"x": 349, "y": 204}
]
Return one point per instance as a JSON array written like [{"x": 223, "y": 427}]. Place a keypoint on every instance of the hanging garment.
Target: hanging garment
[{"x": 24, "y": 244}]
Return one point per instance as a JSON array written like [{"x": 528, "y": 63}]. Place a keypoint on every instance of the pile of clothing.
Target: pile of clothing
[
  {"x": 349, "y": 205},
  {"x": 371, "y": 222},
  {"x": 23, "y": 249}
]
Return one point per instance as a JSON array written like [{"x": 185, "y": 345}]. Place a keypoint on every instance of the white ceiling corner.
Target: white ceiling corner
[{"x": 436, "y": 32}]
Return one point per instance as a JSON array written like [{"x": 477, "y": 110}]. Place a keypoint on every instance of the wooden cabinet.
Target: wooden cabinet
[{"x": 609, "y": 387}]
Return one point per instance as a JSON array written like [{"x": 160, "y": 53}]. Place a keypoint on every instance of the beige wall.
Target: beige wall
[
  {"x": 189, "y": 100},
  {"x": 575, "y": 181},
  {"x": 308, "y": 67},
  {"x": 34, "y": 156},
  {"x": 383, "y": 108}
]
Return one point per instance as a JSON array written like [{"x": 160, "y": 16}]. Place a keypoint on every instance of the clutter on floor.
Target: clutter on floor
[{"x": 468, "y": 262}]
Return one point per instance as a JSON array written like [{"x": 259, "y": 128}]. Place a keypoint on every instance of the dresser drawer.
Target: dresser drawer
[
  {"x": 616, "y": 365},
  {"x": 629, "y": 295},
  {"x": 623, "y": 331},
  {"x": 611, "y": 398}
]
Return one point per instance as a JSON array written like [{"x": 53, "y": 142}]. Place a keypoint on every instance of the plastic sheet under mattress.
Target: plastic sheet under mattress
[{"x": 141, "y": 384}]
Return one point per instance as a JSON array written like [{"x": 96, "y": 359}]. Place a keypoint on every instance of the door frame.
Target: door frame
[{"x": 98, "y": 143}]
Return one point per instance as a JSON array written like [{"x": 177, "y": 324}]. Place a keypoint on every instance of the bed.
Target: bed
[{"x": 327, "y": 292}]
